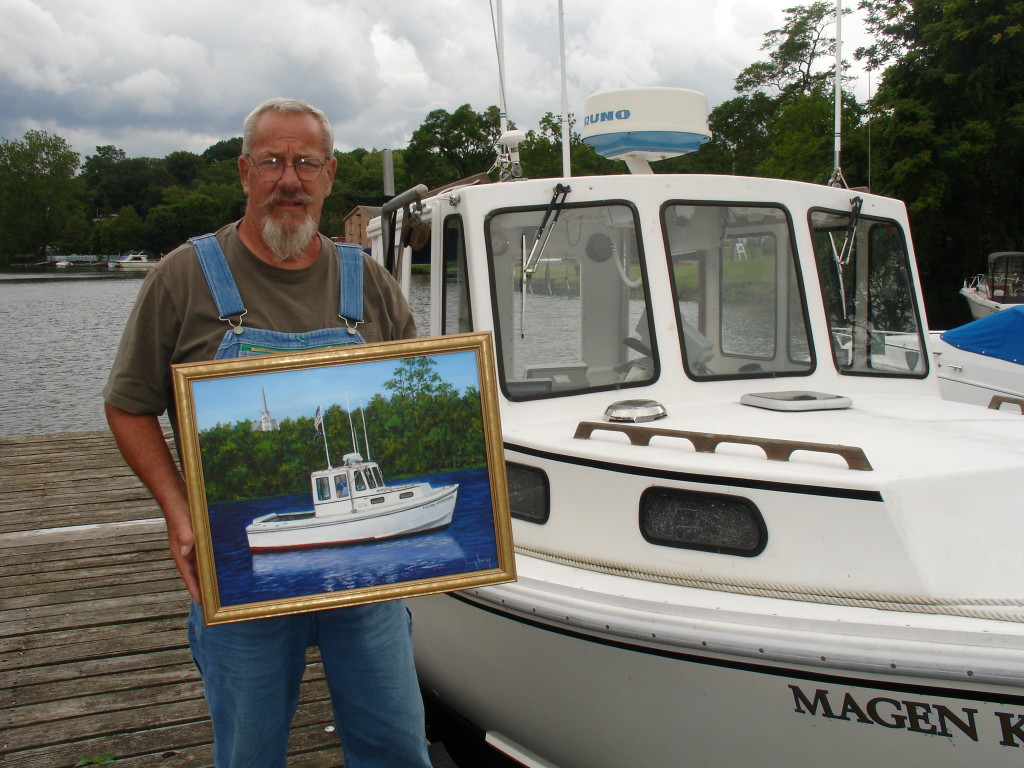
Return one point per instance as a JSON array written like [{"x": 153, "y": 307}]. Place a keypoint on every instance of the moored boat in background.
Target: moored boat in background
[
  {"x": 1001, "y": 285},
  {"x": 983, "y": 360},
  {"x": 133, "y": 260}
]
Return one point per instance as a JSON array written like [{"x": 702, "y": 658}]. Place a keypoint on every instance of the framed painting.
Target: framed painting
[{"x": 344, "y": 476}]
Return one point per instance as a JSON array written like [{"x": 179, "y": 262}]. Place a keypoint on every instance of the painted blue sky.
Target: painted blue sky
[{"x": 296, "y": 394}]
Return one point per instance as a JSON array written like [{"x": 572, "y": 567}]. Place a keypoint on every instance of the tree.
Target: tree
[
  {"x": 781, "y": 123},
  {"x": 950, "y": 132},
  {"x": 40, "y": 198},
  {"x": 452, "y": 146}
]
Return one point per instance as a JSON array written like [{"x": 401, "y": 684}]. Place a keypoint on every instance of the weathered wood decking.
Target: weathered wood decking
[{"x": 94, "y": 658}]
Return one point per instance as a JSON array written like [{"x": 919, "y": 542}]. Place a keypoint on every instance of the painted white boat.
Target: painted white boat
[
  {"x": 133, "y": 260},
  {"x": 982, "y": 362},
  {"x": 1001, "y": 285},
  {"x": 351, "y": 505},
  {"x": 748, "y": 528}
]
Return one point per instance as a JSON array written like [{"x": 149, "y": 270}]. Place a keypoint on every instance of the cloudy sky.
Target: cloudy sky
[{"x": 153, "y": 76}]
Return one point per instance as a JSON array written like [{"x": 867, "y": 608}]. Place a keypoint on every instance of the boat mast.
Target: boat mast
[
  {"x": 366, "y": 437},
  {"x": 837, "y": 179},
  {"x": 566, "y": 166},
  {"x": 351, "y": 426}
]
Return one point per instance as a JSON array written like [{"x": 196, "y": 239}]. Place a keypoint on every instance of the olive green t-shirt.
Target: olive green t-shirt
[{"x": 175, "y": 319}]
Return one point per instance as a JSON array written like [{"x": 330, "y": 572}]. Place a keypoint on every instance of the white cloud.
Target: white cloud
[{"x": 158, "y": 76}]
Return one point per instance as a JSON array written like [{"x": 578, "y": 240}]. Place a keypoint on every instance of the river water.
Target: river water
[{"x": 60, "y": 331}]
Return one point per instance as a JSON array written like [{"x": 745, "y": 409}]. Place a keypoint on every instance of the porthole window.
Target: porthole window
[
  {"x": 710, "y": 522},
  {"x": 529, "y": 493}
]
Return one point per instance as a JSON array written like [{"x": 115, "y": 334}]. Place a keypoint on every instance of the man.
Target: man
[{"x": 265, "y": 283}]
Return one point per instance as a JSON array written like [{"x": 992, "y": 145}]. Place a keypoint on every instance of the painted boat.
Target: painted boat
[
  {"x": 1001, "y": 285},
  {"x": 982, "y": 362},
  {"x": 352, "y": 505},
  {"x": 748, "y": 527}
]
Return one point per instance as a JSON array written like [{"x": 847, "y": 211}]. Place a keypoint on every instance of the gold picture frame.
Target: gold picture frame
[{"x": 283, "y": 457}]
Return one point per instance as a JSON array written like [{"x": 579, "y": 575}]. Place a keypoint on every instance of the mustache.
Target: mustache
[{"x": 278, "y": 196}]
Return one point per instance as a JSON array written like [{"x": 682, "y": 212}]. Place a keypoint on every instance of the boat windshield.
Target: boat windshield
[
  {"x": 739, "y": 301},
  {"x": 571, "y": 300},
  {"x": 866, "y": 285}
]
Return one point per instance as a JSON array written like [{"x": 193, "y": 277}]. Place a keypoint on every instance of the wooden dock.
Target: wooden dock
[{"x": 94, "y": 660}]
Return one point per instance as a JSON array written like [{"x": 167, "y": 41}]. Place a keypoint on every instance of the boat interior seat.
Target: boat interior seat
[{"x": 562, "y": 377}]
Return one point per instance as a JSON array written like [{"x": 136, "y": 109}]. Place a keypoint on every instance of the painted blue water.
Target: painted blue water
[{"x": 468, "y": 545}]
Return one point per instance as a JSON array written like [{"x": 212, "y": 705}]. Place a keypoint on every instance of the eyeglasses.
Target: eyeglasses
[{"x": 272, "y": 169}]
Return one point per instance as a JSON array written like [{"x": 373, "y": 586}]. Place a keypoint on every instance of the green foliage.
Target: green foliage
[
  {"x": 949, "y": 135},
  {"x": 424, "y": 426},
  {"x": 452, "y": 146},
  {"x": 40, "y": 198}
]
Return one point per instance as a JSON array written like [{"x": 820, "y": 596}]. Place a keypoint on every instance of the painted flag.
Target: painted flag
[{"x": 318, "y": 420}]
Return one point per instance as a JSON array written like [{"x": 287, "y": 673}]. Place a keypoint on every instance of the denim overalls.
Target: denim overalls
[
  {"x": 252, "y": 669},
  {"x": 247, "y": 342}
]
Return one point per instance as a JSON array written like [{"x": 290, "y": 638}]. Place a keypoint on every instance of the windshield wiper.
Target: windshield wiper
[
  {"x": 842, "y": 257},
  {"x": 540, "y": 242}
]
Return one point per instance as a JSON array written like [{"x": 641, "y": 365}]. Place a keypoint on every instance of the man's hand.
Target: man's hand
[{"x": 141, "y": 441}]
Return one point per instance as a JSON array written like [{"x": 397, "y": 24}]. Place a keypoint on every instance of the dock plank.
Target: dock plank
[{"x": 94, "y": 658}]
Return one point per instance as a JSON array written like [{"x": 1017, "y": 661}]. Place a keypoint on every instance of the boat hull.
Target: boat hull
[
  {"x": 274, "y": 533},
  {"x": 580, "y": 694}
]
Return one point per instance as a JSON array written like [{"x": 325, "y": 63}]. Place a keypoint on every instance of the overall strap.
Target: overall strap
[
  {"x": 218, "y": 276},
  {"x": 229, "y": 301},
  {"x": 350, "y": 303}
]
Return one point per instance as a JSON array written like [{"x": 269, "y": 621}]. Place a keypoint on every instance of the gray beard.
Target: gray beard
[{"x": 288, "y": 243}]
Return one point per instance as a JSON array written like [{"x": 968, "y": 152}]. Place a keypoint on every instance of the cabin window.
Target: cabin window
[
  {"x": 455, "y": 294},
  {"x": 371, "y": 481},
  {"x": 323, "y": 489},
  {"x": 738, "y": 296},
  {"x": 357, "y": 478},
  {"x": 341, "y": 486},
  {"x": 570, "y": 295},
  {"x": 868, "y": 291},
  {"x": 375, "y": 470},
  {"x": 529, "y": 493},
  {"x": 709, "y": 522}
]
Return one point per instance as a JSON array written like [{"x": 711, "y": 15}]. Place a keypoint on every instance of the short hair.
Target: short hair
[{"x": 287, "y": 106}]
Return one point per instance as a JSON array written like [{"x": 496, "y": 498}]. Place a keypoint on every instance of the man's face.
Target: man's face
[{"x": 286, "y": 211}]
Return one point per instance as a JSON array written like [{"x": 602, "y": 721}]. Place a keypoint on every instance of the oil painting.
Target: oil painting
[{"x": 337, "y": 477}]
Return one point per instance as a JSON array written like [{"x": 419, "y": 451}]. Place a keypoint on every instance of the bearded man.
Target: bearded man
[{"x": 270, "y": 282}]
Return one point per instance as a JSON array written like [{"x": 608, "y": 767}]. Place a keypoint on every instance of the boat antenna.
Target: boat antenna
[
  {"x": 366, "y": 437},
  {"x": 507, "y": 161},
  {"x": 566, "y": 163},
  {"x": 351, "y": 427},
  {"x": 837, "y": 179}
]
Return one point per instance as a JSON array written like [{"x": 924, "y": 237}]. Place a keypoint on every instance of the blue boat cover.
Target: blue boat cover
[{"x": 999, "y": 335}]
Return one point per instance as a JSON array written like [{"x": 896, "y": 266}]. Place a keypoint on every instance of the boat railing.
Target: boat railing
[{"x": 707, "y": 442}]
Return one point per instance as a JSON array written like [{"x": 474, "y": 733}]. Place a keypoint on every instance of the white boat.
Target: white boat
[
  {"x": 982, "y": 362},
  {"x": 1000, "y": 286},
  {"x": 133, "y": 260},
  {"x": 351, "y": 505},
  {"x": 748, "y": 529}
]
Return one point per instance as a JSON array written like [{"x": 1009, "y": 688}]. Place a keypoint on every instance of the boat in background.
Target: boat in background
[
  {"x": 1000, "y": 286},
  {"x": 133, "y": 260},
  {"x": 744, "y": 518},
  {"x": 982, "y": 362}
]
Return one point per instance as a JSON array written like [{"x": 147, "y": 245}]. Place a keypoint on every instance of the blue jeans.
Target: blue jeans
[{"x": 251, "y": 672}]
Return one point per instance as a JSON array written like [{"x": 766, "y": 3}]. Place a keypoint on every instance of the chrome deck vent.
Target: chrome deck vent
[{"x": 635, "y": 411}]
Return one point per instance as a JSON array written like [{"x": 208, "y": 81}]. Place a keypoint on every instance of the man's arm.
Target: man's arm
[{"x": 141, "y": 441}]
